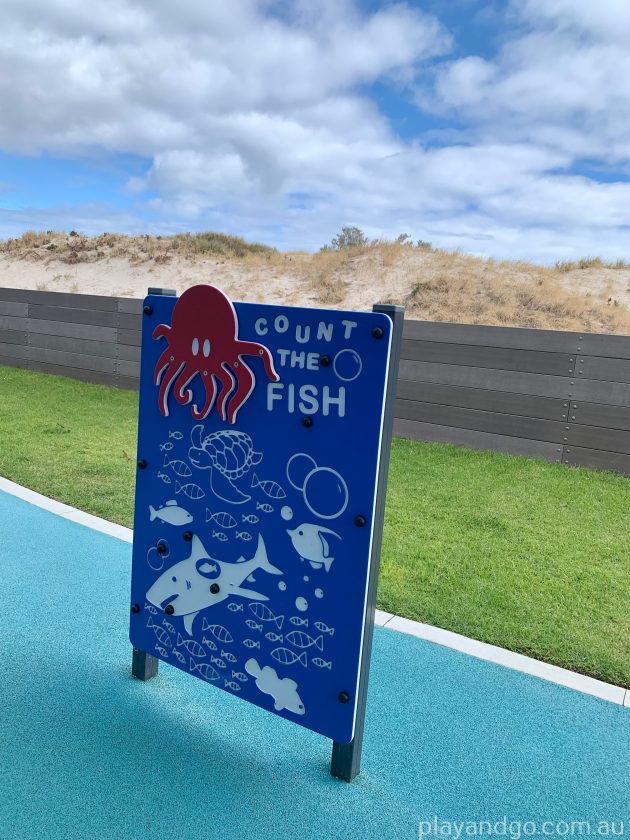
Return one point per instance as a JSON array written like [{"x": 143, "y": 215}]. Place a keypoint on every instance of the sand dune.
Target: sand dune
[{"x": 432, "y": 284}]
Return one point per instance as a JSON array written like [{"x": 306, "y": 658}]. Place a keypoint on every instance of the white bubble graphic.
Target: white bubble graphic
[
  {"x": 347, "y": 365},
  {"x": 325, "y": 493},
  {"x": 299, "y": 466},
  {"x": 286, "y": 513},
  {"x": 319, "y": 593},
  {"x": 306, "y": 578},
  {"x": 301, "y": 604},
  {"x": 282, "y": 586}
]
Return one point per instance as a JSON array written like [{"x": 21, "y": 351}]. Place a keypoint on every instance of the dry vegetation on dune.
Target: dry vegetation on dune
[{"x": 432, "y": 284}]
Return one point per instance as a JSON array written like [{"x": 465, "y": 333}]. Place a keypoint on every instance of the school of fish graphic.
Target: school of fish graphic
[{"x": 293, "y": 648}]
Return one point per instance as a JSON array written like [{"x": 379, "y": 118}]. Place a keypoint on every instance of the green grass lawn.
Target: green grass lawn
[{"x": 527, "y": 555}]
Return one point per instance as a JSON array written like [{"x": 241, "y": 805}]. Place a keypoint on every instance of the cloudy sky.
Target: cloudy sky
[{"x": 500, "y": 128}]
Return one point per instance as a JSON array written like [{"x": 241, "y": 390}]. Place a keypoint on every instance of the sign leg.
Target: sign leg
[
  {"x": 346, "y": 758},
  {"x": 143, "y": 665}
]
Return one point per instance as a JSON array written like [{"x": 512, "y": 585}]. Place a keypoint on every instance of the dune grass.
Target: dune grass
[{"x": 527, "y": 555}]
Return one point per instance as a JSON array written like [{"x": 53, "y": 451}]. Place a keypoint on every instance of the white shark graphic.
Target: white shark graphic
[{"x": 186, "y": 586}]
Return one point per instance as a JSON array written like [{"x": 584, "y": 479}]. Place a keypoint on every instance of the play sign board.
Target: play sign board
[{"x": 259, "y": 441}]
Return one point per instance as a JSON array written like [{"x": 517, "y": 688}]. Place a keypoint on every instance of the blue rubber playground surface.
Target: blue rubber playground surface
[{"x": 88, "y": 752}]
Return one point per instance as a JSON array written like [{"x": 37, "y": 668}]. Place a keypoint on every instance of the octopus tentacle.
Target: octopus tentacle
[
  {"x": 183, "y": 394},
  {"x": 161, "y": 365},
  {"x": 245, "y": 379},
  {"x": 165, "y": 387},
  {"x": 253, "y": 348},
  {"x": 161, "y": 331},
  {"x": 211, "y": 392},
  {"x": 227, "y": 386}
]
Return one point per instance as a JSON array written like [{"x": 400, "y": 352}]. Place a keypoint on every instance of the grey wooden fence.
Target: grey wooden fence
[{"x": 557, "y": 395}]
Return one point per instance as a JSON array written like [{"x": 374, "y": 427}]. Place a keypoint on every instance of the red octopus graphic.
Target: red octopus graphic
[{"x": 203, "y": 339}]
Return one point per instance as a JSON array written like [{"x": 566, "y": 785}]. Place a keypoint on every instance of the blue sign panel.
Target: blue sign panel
[{"x": 259, "y": 440}]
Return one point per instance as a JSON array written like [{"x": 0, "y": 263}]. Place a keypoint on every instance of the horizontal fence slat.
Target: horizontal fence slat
[
  {"x": 536, "y": 384},
  {"x": 477, "y": 440},
  {"x": 516, "y": 338},
  {"x": 598, "y": 459},
  {"x": 599, "y": 391},
  {"x": 133, "y": 306},
  {"x": 128, "y": 352},
  {"x": 596, "y": 367},
  {"x": 500, "y": 358},
  {"x": 10, "y": 322},
  {"x": 18, "y": 310},
  {"x": 14, "y": 336},
  {"x": 594, "y": 437},
  {"x": 13, "y": 351},
  {"x": 72, "y": 360},
  {"x": 504, "y": 402},
  {"x": 107, "y": 349},
  {"x": 8, "y": 361},
  {"x": 64, "y": 299},
  {"x": 129, "y": 321},
  {"x": 133, "y": 337},
  {"x": 73, "y": 316},
  {"x": 82, "y": 374},
  {"x": 127, "y": 368},
  {"x": 597, "y": 414},
  {"x": 87, "y": 331},
  {"x": 511, "y": 425},
  {"x": 614, "y": 346}
]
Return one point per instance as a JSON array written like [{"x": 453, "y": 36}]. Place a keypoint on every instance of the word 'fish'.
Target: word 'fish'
[
  {"x": 288, "y": 657},
  {"x": 270, "y": 488},
  {"x": 222, "y": 519},
  {"x": 263, "y": 613},
  {"x": 180, "y": 468}
]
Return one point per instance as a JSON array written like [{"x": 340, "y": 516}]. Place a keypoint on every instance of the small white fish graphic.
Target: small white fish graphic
[
  {"x": 179, "y": 656},
  {"x": 220, "y": 633},
  {"x": 216, "y": 661},
  {"x": 273, "y": 637},
  {"x": 313, "y": 543},
  {"x": 251, "y": 644},
  {"x": 243, "y": 535},
  {"x": 233, "y": 685},
  {"x": 229, "y": 657},
  {"x": 263, "y": 613},
  {"x": 251, "y": 518},
  {"x": 222, "y": 519},
  {"x": 252, "y": 624},
  {"x": 298, "y": 621},
  {"x": 209, "y": 643},
  {"x": 160, "y": 633},
  {"x": 302, "y": 640},
  {"x": 240, "y": 676},
  {"x": 165, "y": 478},
  {"x": 169, "y": 626},
  {"x": 324, "y": 628},
  {"x": 234, "y": 607},
  {"x": 193, "y": 647},
  {"x": 150, "y": 608},
  {"x": 206, "y": 671},
  {"x": 264, "y": 506},
  {"x": 166, "y": 447},
  {"x": 219, "y": 535},
  {"x": 270, "y": 488},
  {"x": 288, "y": 657},
  {"x": 176, "y": 435},
  {"x": 170, "y": 513},
  {"x": 192, "y": 491},
  {"x": 321, "y": 664},
  {"x": 180, "y": 468},
  {"x": 162, "y": 651}
]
